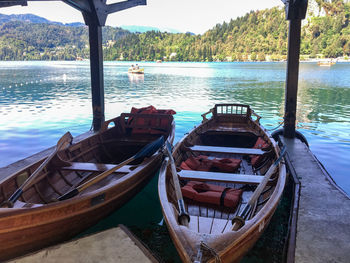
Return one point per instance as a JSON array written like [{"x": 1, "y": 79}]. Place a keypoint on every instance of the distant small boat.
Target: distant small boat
[
  {"x": 326, "y": 63},
  {"x": 136, "y": 70}
]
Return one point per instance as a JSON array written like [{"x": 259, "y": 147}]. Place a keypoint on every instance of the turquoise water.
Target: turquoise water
[{"x": 39, "y": 101}]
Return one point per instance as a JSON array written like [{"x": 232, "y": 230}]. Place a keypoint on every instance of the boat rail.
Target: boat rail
[
  {"x": 149, "y": 121},
  {"x": 258, "y": 117},
  {"x": 204, "y": 115},
  {"x": 232, "y": 109}
]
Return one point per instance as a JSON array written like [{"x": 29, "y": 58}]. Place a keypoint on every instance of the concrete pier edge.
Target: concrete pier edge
[{"x": 320, "y": 216}]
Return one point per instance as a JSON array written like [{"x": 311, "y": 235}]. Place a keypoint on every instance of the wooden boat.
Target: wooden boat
[
  {"x": 214, "y": 232},
  {"x": 37, "y": 219},
  {"x": 136, "y": 70}
]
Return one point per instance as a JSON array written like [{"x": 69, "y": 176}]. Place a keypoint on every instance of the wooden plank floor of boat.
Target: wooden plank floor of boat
[{"x": 113, "y": 245}]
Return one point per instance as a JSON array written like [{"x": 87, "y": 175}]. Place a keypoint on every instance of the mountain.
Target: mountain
[
  {"x": 143, "y": 29},
  {"x": 33, "y": 19},
  {"x": 256, "y": 36},
  {"x": 23, "y": 40}
]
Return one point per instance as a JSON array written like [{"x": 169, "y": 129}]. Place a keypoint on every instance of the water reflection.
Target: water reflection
[
  {"x": 136, "y": 78},
  {"x": 39, "y": 101}
]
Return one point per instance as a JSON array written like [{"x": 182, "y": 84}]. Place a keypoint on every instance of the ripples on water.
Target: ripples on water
[{"x": 39, "y": 101}]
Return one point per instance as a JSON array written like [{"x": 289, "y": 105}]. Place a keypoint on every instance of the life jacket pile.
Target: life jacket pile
[
  {"x": 157, "y": 128},
  {"x": 212, "y": 194},
  {"x": 259, "y": 144},
  {"x": 209, "y": 193},
  {"x": 202, "y": 163}
]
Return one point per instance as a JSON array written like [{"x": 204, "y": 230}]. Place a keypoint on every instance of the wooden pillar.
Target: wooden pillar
[
  {"x": 292, "y": 78},
  {"x": 96, "y": 68},
  {"x": 295, "y": 12}
]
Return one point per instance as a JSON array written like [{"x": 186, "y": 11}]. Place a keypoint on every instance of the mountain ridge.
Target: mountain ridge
[
  {"x": 34, "y": 19},
  {"x": 257, "y": 36}
]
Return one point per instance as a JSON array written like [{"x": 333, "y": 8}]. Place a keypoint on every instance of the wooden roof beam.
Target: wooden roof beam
[
  {"x": 123, "y": 5},
  {"x": 81, "y": 5},
  {"x": 12, "y": 3},
  {"x": 97, "y": 10}
]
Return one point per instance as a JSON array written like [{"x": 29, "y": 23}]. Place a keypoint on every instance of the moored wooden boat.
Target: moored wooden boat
[
  {"x": 221, "y": 165},
  {"x": 37, "y": 219}
]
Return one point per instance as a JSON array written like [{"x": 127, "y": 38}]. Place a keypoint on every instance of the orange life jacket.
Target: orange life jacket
[
  {"x": 202, "y": 163},
  {"x": 212, "y": 194},
  {"x": 259, "y": 144},
  {"x": 164, "y": 122}
]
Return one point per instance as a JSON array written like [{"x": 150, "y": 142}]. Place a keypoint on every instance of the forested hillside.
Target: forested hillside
[
  {"x": 44, "y": 41},
  {"x": 259, "y": 35}
]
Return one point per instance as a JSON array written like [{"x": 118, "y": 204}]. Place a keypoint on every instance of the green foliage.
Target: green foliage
[
  {"x": 32, "y": 41},
  {"x": 256, "y": 36}
]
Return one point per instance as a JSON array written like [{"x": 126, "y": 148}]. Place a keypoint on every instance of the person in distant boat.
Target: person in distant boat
[{"x": 137, "y": 66}]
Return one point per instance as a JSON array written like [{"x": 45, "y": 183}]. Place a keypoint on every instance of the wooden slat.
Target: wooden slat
[
  {"x": 228, "y": 227},
  {"x": 205, "y": 224},
  {"x": 220, "y": 177},
  {"x": 95, "y": 167},
  {"x": 215, "y": 149},
  {"x": 218, "y": 226},
  {"x": 193, "y": 224}
]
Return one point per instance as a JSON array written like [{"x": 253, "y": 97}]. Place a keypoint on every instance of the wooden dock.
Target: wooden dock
[
  {"x": 321, "y": 212},
  {"x": 113, "y": 245}
]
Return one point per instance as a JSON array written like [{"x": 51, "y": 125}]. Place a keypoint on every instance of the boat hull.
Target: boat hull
[
  {"x": 29, "y": 225},
  {"x": 206, "y": 226},
  {"x": 29, "y": 230}
]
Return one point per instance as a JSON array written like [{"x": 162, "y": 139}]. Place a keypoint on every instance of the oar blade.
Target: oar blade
[
  {"x": 150, "y": 148},
  {"x": 64, "y": 141}
]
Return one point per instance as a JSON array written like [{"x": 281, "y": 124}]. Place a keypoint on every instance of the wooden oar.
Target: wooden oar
[
  {"x": 183, "y": 216},
  {"x": 239, "y": 220},
  {"x": 146, "y": 151},
  {"x": 62, "y": 143}
]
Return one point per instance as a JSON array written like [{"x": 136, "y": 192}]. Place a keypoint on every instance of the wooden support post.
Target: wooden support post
[
  {"x": 295, "y": 12},
  {"x": 96, "y": 67},
  {"x": 292, "y": 78}
]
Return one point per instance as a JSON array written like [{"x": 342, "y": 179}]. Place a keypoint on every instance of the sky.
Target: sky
[{"x": 196, "y": 16}]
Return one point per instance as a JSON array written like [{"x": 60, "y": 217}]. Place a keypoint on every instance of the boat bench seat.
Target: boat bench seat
[
  {"x": 95, "y": 167},
  {"x": 215, "y": 149},
  {"x": 220, "y": 177}
]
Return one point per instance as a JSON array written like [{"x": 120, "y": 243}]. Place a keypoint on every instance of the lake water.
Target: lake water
[{"x": 40, "y": 101}]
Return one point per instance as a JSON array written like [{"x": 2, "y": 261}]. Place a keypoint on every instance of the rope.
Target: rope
[
  {"x": 212, "y": 251},
  {"x": 276, "y": 127}
]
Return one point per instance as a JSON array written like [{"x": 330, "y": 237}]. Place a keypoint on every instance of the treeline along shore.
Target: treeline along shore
[{"x": 256, "y": 36}]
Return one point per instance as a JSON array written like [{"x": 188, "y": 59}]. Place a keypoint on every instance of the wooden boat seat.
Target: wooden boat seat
[
  {"x": 214, "y": 149},
  {"x": 220, "y": 177},
  {"x": 95, "y": 167}
]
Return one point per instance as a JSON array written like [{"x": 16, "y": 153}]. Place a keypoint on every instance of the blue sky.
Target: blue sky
[{"x": 195, "y": 16}]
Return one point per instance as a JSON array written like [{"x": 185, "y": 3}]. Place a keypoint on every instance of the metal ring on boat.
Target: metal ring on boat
[{"x": 298, "y": 135}]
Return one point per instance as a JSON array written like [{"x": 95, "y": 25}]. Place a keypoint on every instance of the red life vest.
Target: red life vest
[
  {"x": 212, "y": 194},
  {"x": 259, "y": 144},
  {"x": 164, "y": 122},
  {"x": 202, "y": 163}
]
